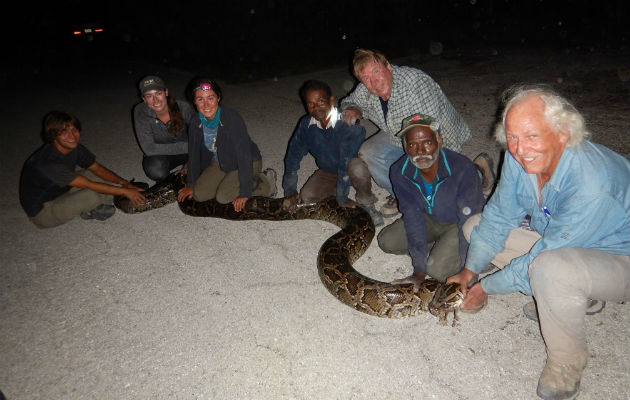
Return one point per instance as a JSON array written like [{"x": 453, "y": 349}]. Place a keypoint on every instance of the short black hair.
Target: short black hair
[
  {"x": 315, "y": 85},
  {"x": 55, "y": 122}
]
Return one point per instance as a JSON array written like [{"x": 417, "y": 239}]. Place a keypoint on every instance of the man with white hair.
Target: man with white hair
[{"x": 577, "y": 194}]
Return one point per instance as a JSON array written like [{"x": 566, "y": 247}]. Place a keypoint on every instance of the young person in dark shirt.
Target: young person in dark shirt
[{"x": 62, "y": 179}]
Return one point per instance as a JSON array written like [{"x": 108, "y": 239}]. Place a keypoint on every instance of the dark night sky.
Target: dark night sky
[{"x": 255, "y": 39}]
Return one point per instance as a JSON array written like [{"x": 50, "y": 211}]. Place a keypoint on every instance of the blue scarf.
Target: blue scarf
[{"x": 214, "y": 122}]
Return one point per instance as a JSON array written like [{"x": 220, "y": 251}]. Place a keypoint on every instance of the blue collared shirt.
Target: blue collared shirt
[{"x": 585, "y": 204}]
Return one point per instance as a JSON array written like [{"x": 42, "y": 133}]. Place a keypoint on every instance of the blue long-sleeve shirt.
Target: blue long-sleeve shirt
[
  {"x": 455, "y": 197},
  {"x": 332, "y": 149},
  {"x": 585, "y": 204}
]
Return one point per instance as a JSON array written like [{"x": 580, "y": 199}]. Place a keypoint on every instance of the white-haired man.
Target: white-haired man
[{"x": 577, "y": 194}]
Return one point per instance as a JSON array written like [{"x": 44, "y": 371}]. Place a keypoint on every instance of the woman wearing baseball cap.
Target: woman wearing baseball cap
[{"x": 161, "y": 124}]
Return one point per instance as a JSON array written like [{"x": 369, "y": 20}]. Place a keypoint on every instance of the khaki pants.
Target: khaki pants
[
  {"x": 562, "y": 281},
  {"x": 442, "y": 242},
  {"x": 224, "y": 186},
  {"x": 70, "y": 204}
]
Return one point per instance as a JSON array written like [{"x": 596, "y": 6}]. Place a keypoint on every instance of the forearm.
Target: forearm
[
  {"x": 512, "y": 278},
  {"x": 352, "y": 101},
  {"x": 289, "y": 183},
  {"x": 105, "y": 188},
  {"x": 107, "y": 175},
  {"x": 415, "y": 229}
]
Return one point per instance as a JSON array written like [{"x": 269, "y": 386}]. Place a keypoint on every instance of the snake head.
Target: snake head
[{"x": 448, "y": 297}]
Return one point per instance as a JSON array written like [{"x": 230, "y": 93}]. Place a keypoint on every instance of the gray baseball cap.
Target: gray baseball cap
[{"x": 151, "y": 82}]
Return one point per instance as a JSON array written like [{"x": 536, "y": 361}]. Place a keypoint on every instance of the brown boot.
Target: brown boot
[
  {"x": 486, "y": 167},
  {"x": 559, "y": 381},
  {"x": 390, "y": 208}
]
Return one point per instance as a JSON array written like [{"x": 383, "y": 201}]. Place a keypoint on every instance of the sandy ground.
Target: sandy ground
[{"x": 164, "y": 306}]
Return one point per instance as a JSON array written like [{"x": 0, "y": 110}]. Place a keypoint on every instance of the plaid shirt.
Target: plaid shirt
[{"x": 413, "y": 92}]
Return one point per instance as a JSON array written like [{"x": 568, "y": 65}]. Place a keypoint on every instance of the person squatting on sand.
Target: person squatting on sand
[
  {"x": 577, "y": 194},
  {"x": 386, "y": 94},
  {"x": 162, "y": 126},
  {"x": 437, "y": 191},
  {"x": 62, "y": 179},
  {"x": 223, "y": 162},
  {"x": 334, "y": 145}
]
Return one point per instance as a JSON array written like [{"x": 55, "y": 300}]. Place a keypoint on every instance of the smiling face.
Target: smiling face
[
  {"x": 156, "y": 100},
  {"x": 68, "y": 139},
  {"x": 377, "y": 78},
  {"x": 207, "y": 102},
  {"x": 318, "y": 106},
  {"x": 530, "y": 139},
  {"x": 422, "y": 145}
]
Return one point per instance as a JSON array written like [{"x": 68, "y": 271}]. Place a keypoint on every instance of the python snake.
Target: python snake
[{"x": 336, "y": 255}]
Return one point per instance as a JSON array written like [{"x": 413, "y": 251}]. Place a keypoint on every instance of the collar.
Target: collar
[
  {"x": 444, "y": 169},
  {"x": 334, "y": 117}
]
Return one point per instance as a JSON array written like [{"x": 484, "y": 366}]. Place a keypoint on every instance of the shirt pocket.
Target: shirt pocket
[{"x": 527, "y": 202}]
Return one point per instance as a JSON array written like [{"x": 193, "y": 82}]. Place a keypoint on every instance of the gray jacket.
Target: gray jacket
[{"x": 153, "y": 135}]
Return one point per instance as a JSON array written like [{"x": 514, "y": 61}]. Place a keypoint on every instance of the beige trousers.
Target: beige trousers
[
  {"x": 70, "y": 204},
  {"x": 224, "y": 186},
  {"x": 562, "y": 281}
]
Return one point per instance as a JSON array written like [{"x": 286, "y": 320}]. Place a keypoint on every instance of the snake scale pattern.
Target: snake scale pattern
[{"x": 336, "y": 255}]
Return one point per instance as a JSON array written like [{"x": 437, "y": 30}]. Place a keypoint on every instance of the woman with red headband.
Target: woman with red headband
[{"x": 223, "y": 162}]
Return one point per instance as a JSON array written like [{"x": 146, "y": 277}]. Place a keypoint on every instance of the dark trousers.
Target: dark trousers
[
  {"x": 442, "y": 241},
  {"x": 323, "y": 184},
  {"x": 159, "y": 167}
]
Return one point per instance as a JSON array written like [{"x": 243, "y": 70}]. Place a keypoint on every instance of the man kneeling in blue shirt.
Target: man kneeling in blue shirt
[
  {"x": 335, "y": 146},
  {"x": 437, "y": 191},
  {"x": 577, "y": 194}
]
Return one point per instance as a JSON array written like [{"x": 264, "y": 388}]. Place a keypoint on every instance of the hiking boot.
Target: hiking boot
[
  {"x": 592, "y": 307},
  {"x": 486, "y": 167},
  {"x": 100, "y": 213},
  {"x": 390, "y": 208},
  {"x": 559, "y": 382},
  {"x": 271, "y": 176},
  {"x": 377, "y": 217}
]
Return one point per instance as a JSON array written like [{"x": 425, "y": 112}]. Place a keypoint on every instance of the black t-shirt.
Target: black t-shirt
[{"x": 47, "y": 173}]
